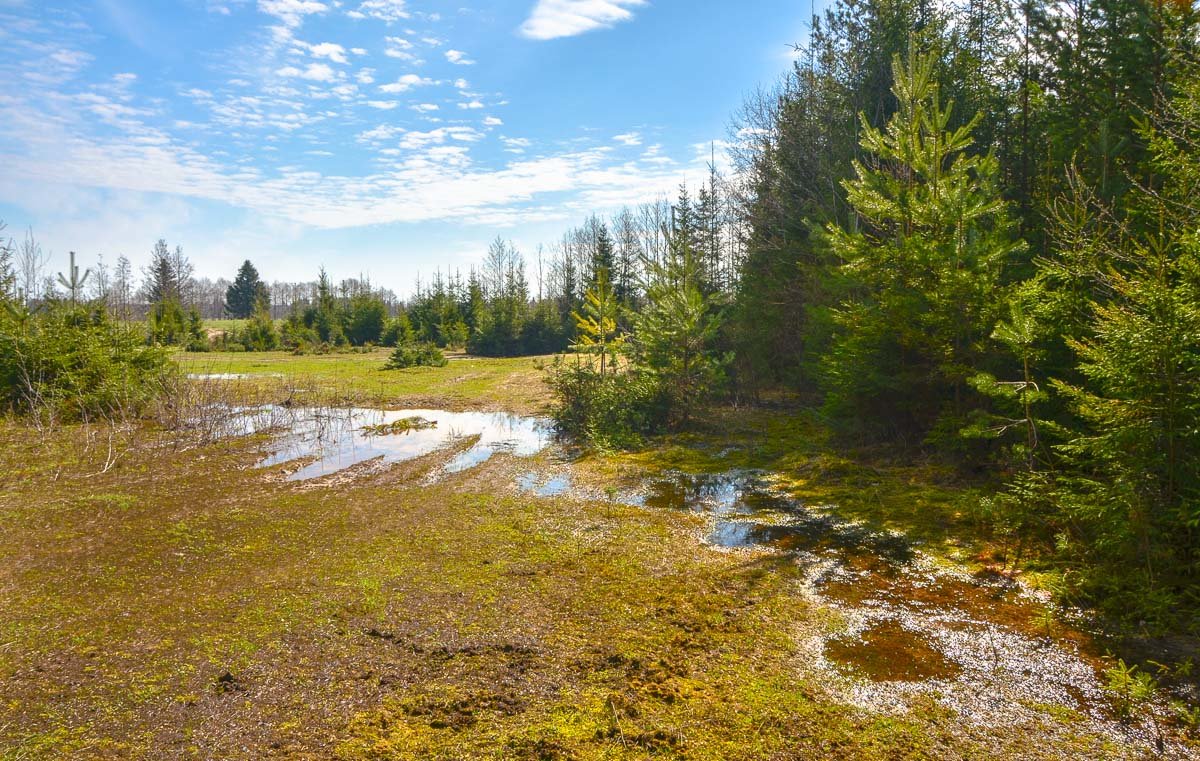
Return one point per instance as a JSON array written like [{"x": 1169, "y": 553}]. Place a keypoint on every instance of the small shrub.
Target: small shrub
[
  {"x": 608, "y": 410},
  {"x": 397, "y": 331},
  {"x": 415, "y": 355},
  {"x": 76, "y": 363},
  {"x": 260, "y": 333}
]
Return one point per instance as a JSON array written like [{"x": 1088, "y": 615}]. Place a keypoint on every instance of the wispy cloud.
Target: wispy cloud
[
  {"x": 551, "y": 19},
  {"x": 384, "y": 10},
  {"x": 459, "y": 57},
  {"x": 406, "y": 83},
  {"x": 291, "y": 12},
  {"x": 314, "y": 72}
]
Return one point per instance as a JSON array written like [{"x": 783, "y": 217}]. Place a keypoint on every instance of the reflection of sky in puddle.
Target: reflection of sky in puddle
[
  {"x": 230, "y": 376},
  {"x": 544, "y": 487},
  {"x": 336, "y": 439}
]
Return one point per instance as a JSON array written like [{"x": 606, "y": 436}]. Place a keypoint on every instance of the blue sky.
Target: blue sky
[{"x": 382, "y": 137}]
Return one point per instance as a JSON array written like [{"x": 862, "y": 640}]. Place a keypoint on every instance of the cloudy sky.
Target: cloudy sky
[{"x": 384, "y": 137}]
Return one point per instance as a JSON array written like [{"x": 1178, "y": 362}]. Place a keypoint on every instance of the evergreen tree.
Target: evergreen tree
[
  {"x": 260, "y": 334},
  {"x": 708, "y": 234},
  {"x": 924, "y": 263},
  {"x": 366, "y": 319},
  {"x": 242, "y": 297},
  {"x": 324, "y": 317},
  {"x": 8, "y": 275},
  {"x": 604, "y": 254},
  {"x": 675, "y": 336},
  {"x": 596, "y": 326},
  {"x": 1125, "y": 497},
  {"x": 162, "y": 281}
]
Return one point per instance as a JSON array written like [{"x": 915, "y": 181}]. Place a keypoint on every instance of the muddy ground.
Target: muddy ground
[{"x": 689, "y": 601}]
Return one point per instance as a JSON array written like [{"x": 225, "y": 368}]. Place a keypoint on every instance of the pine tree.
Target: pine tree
[
  {"x": 596, "y": 326},
  {"x": 162, "y": 282},
  {"x": 603, "y": 255},
  {"x": 8, "y": 275},
  {"x": 243, "y": 295},
  {"x": 675, "y": 335},
  {"x": 925, "y": 262}
]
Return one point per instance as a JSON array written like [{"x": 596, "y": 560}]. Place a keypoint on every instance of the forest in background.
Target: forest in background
[{"x": 965, "y": 232}]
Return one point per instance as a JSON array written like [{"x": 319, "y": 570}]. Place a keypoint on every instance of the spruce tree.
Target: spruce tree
[
  {"x": 596, "y": 325},
  {"x": 924, "y": 263},
  {"x": 243, "y": 295},
  {"x": 162, "y": 281},
  {"x": 675, "y": 335},
  {"x": 604, "y": 254}
]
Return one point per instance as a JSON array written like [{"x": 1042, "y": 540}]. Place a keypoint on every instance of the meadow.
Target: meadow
[{"x": 174, "y": 600}]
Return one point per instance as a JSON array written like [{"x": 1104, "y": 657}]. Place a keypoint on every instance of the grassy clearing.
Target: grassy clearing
[
  {"x": 184, "y": 604},
  {"x": 228, "y": 325},
  {"x": 360, "y": 378}
]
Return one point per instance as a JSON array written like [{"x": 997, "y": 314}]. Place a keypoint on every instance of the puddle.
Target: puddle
[
  {"x": 543, "y": 486},
  {"x": 337, "y": 439},
  {"x": 747, "y": 513},
  {"x": 229, "y": 376}
]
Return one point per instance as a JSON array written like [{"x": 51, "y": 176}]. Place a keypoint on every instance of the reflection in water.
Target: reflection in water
[
  {"x": 336, "y": 439},
  {"x": 544, "y": 487}
]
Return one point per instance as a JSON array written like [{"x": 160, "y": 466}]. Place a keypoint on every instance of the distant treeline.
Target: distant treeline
[{"x": 510, "y": 304}]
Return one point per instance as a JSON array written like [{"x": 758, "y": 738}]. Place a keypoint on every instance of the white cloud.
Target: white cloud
[
  {"x": 629, "y": 138},
  {"x": 471, "y": 105},
  {"x": 458, "y": 57},
  {"x": 425, "y": 107},
  {"x": 552, "y": 19},
  {"x": 384, "y": 10},
  {"x": 515, "y": 144},
  {"x": 461, "y": 84},
  {"x": 398, "y": 47},
  {"x": 314, "y": 72},
  {"x": 383, "y": 105},
  {"x": 380, "y": 133},
  {"x": 416, "y": 140},
  {"x": 291, "y": 12},
  {"x": 406, "y": 83},
  {"x": 365, "y": 76},
  {"x": 330, "y": 50},
  {"x": 492, "y": 121}
]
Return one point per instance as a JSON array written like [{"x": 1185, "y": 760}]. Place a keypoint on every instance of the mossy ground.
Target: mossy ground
[{"x": 185, "y": 604}]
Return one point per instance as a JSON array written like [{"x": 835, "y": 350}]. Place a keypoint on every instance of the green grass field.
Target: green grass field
[{"x": 475, "y": 382}]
